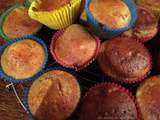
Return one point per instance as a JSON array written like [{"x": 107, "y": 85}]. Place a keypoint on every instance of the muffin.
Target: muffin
[
  {"x": 108, "y": 102},
  {"x": 111, "y": 17},
  {"x": 74, "y": 47},
  {"x": 124, "y": 60},
  {"x": 49, "y": 5},
  {"x": 112, "y": 13},
  {"x": 146, "y": 26},
  {"x": 5, "y": 4},
  {"x": 22, "y": 59},
  {"x": 54, "y": 95},
  {"x": 55, "y": 14},
  {"x": 16, "y": 23},
  {"x": 152, "y": 5},
  {"x": 148, "y": 98}
]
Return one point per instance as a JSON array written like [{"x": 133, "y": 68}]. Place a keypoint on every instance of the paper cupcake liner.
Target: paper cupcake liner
[
  {"x": 120, "y": 88},
  {"x": 26, "y": 92},
  {"x": 55, "y": 56},
  {"x": 3, "y": 17},
  {"x": 104, "y": 31},
  {"x": 131, "y": 81},
  {"x": 7, "y": 78},
  {"x": 56, "y": 19}
]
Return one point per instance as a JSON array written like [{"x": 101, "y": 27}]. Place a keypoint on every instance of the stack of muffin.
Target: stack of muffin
[{"x": 121, "y": 35}]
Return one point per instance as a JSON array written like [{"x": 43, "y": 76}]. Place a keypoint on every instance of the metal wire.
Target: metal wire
[{"x": 16, "y": 94}]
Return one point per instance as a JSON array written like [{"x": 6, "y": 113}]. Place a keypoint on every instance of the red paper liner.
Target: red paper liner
[
  {"x": 131, "y": 81},
  {"x": 55, "y": 56},
  {"x": 120, "y": 88},
  {"x": 147, "y": 37}
]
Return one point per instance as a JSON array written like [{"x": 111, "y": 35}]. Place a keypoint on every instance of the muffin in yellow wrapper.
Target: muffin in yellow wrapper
[
  {"x": 56, "y": 19},
  {"x": 152, "y": 5}
]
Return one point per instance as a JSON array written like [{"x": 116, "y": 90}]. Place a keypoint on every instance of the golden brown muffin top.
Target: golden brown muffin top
[
  {"x": 112, "y": 13},
  {"x": 108, "y": 102},
  {"x": 18, "y": 24},
  {"x": 22, "y": 59},
  {"x": 146, "y": 25},
  {"x": 50, "y": 5},
  {"x": 148, "y": 98},
  {"x": 54, "y": 96},
  {"x": 75, "y": 47},
  {"x": 124, "y": 58}
]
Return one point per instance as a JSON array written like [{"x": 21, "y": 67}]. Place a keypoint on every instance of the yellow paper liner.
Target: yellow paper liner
[{"x": 56, "y": 19}]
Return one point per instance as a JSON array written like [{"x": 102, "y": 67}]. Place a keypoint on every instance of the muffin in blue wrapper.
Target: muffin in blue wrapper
[
  {"x": 111, "y": 17},
  {"x": 22, "y": 59},
  {"x": 53, "y": 96}
]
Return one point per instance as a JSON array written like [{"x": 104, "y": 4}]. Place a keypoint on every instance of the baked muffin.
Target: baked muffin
[
  {"x": 55, "y": 14},
  {"x": 49, "y": 5},
  {"x": 16, "y": 23},
  {"x": 54, "y": 95},
  {"x": 124, "y": 59},
  {"x": 148, "y": 98},
  {"x": 109, "y": 18},
  {"x": 112, "y": 13},
  {"x": 108, "y": 102},
  {"x": 23, "y": 58},
  {"x": 74, "y": 47},
  {"x": 152, "y": 5},
  {"x": 145, "y": 28}
]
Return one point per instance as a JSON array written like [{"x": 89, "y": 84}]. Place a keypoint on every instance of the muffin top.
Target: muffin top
[
  {"x": 124, "y": 59},
  {"x": 75, "y": 47},
  {"x": 146, "y": 26},
  {"x": 18, "y": 23},
  {"x": 110, "y": 102},
  {"x": 50, "y": 5},
  {"x": 148, "y": 98},
  {"x": 22, "y": 59},
  {"x": 112, "y": 13},
  {"x": 54, "y": 95}
]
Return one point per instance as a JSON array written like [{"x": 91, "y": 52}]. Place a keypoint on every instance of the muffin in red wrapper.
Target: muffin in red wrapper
[
  {"x": 145, "y": 28},
  {"x": 147, "y": 97},
  {"x": 54, "y": 95},
  {"x": 74, "y": 47},
  {"x": 125, "y": 60},
  {"x": 108, "y": 101}
]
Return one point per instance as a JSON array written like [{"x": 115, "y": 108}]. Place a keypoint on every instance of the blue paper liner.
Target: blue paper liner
[
  {"x": 3, "y": 17},
  {"x": 7, "y": 78},
  {"x": 104, "y": 31},
  {"x": 26, "y": 91}
]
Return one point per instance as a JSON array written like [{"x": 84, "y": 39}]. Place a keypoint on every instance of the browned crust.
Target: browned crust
[
  {"x": 54, "y": 96},
  {"x": 124, "y": 59},
  {"x": 148, "y": 98}
]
